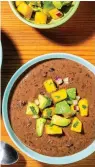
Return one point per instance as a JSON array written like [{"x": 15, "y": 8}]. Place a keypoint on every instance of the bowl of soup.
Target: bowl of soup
[
  {"x": 44, "y": 14},
  {"x": 48, "y": 108}
]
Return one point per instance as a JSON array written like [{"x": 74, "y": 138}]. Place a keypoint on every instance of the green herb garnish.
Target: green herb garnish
[
  {"x": 57, "y": 97},
  {"x": 75, "y": 124},
  {"x": 33, "y": 110},
  {"x": 84, "y": 106}
]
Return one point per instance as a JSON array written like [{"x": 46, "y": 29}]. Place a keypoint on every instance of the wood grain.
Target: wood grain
[{"x": 22, "y": 43}]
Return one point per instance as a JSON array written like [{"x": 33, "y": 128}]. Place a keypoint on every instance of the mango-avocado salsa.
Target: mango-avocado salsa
[
  {"x": 42, "y": 12},
  {"x": 57, "y": 108}
]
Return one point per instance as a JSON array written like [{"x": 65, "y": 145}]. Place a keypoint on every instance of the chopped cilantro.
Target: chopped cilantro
[
  {"x": 75, "y": 124},
  {"x": 49, "y": 111},
  {"x": 33, "y": 110},
  {"x": 57, "y": 97},
  {"x": 84, "y": 106}
]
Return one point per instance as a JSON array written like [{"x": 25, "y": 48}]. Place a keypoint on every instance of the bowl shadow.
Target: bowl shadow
[
  {"x": 11, "y": 60},
  {"x": 79, "y": 28}
]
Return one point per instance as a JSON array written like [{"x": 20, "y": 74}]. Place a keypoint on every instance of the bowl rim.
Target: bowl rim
[
  {"x": 42, "y": 158},
  {"x": 46, "y": 26}
]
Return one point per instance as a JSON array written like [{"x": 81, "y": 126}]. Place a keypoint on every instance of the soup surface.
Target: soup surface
[{"x": 27, "y": 89}]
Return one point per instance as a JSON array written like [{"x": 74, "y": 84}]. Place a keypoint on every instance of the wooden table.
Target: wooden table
[{"x": 22, "y": 43}]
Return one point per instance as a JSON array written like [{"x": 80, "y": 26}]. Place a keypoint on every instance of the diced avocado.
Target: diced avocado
[
  {"x": 71, "y": 93},
  {"x": 83, "y": 107},
  {"x": 60, "y": 121},
  {"x": 44, "y": 101},
  {"x": 25, "y": 10},
  {"x": 62, "y": 108},
  {"x": 55, "y": 13},
  {"x": 48, "y": 5},
  {"x": 70, "y": 102},
  {"x": 32, "y": 109},
  {"x": 53, "y": 130},
  {"x": 49, "y": 86},
  {"x": 76, "y": 125},
  {"x": 59, "y": 95},
  {"x": 57, "y": 4},
  {"x": 40, "y": 122},
  {"x": 48, "y": 112}
]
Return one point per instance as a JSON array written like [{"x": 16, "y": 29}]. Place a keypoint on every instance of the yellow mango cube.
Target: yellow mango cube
[
  {"x": 49, "y": 86},
  {"x": 53, "y": 129},
  {"x": 25, "y": 10},
  {"x": 40, "y": 18},
  {"x": 17, "y": 3},
  {"x": 59, "y": 95},
  {"x": 83, "y": 107},
  {"x": 55, "y": 13},
  {"x": 76, "y": 125}
]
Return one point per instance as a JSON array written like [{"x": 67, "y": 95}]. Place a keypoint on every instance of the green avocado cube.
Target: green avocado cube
[
  {"x": 57, "y": 4},
  {"x": 40, "y": 122},
  {"x": 62, "y": 107},
  {"x": 44, "y": 101},
  {"x": 71, "y": 92},
  {"x": 60, "y": 121}
]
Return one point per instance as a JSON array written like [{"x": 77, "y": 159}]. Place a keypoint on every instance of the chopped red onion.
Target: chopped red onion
[
  {"x": 58, "y": 81},
  {"x": 76, "y": 108},
  {"x": 35, "y": 116},
  {"x": 66, "y": 80},
  {"x": 78, "y": 98},
  {"x": 75, "y": 102}
]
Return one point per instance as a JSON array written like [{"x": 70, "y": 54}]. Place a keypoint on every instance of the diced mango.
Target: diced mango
[
  {"x": 83, "y": 107},
  {"x": 25, "y": 10},
  {"x": 40, "y": 18},
  {"x": 59, "y": 95},
  {"x": 49, "y": 86},
  {"x": 76, "y": 125},
  {"x": 53, "y": 129},
  {"x": 55, "y": 13},
  {"x": 17, "y": 3}
]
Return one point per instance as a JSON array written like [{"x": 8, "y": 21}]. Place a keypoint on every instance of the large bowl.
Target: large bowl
[
  {"x": 46, "y": 159},
  {"x": 53, "y": 23}
]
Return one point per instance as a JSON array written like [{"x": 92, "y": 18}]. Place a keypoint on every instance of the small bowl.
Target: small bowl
[
  {"x": 53, "y": 23},
  {"x": 42, "y": 158}
]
